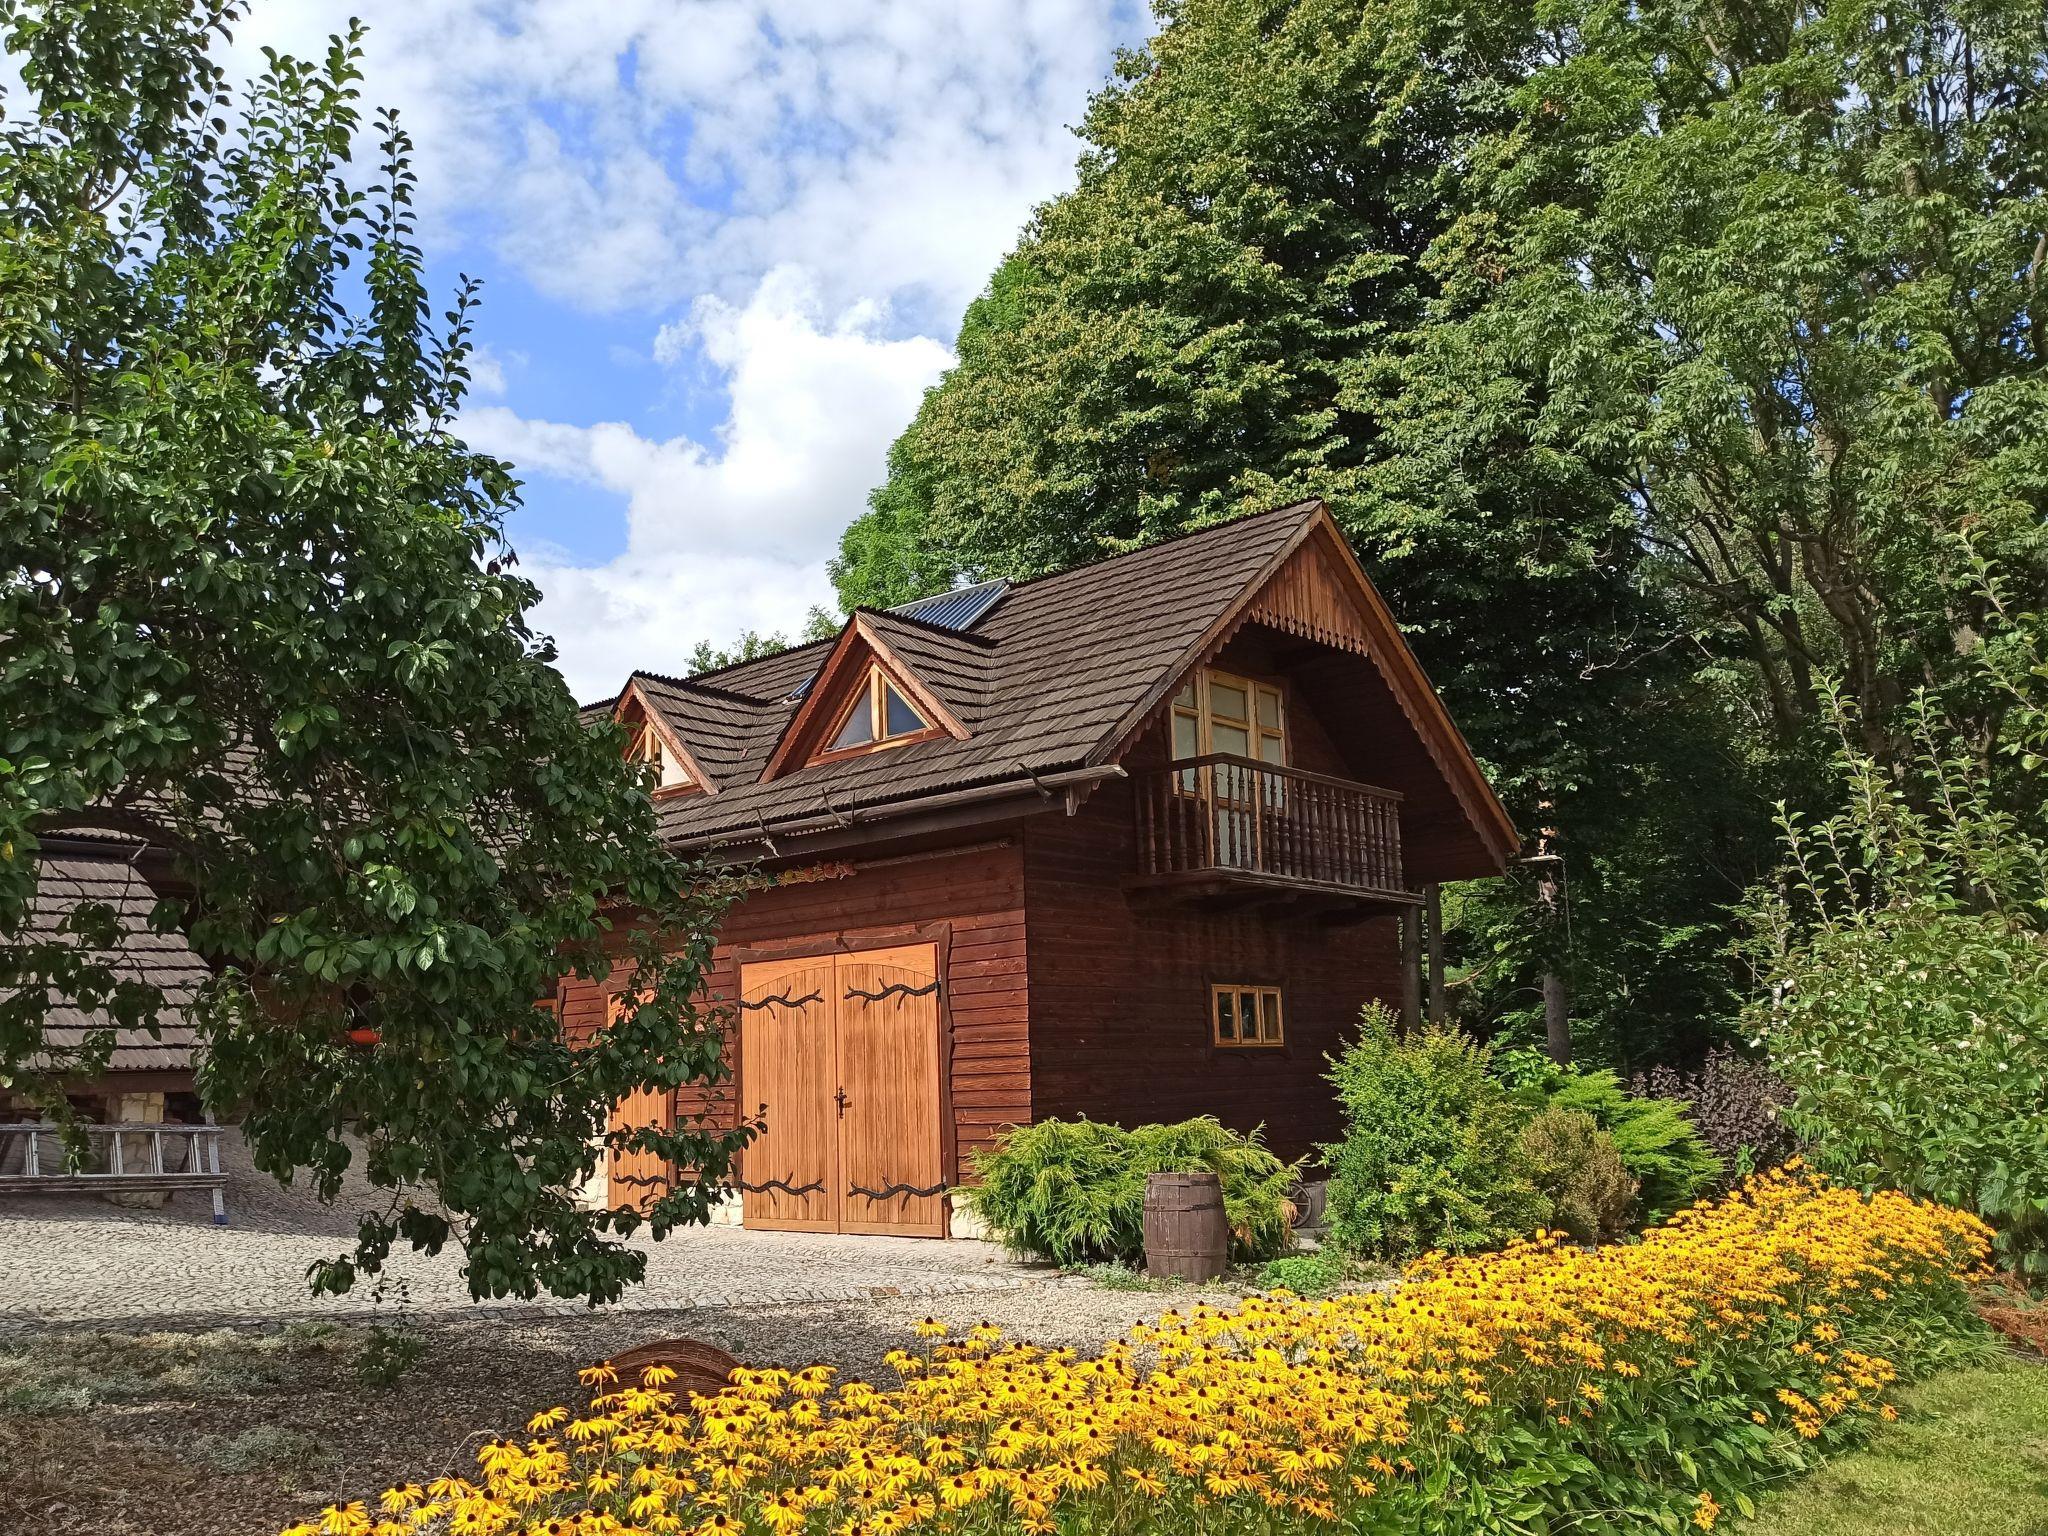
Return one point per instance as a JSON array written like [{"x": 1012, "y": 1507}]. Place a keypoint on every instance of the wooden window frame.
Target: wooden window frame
[
  {"x": 1198, "y": 709},
  {"x": 1238, "y": 991},
  {"x": 871, "y": 694},
  {"x": 1203, "y": 714},
  {"x": 648, "y": 735}
]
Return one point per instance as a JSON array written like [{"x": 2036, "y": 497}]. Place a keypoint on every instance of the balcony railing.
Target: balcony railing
[{"x": 1237, "y": 818}]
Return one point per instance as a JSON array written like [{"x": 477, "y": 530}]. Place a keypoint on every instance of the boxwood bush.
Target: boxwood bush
[{"x": 1073, "y": 1191}]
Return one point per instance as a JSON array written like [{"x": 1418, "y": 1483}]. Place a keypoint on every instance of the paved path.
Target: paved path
[{"x": 84, "y": 1260}]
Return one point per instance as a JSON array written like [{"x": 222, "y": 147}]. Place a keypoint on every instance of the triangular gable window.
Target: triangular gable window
[
  {"x": 876, "y": 715},
  {"x": 647, "y": 747}
]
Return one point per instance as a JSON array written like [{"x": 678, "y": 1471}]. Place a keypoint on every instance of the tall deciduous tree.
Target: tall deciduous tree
[
  {"x": 1647, "y": 352},
  {"x": 1783, "y": 268},
  {"x": 1237, "y": 305},
  {"x": 256, "y": 608}
]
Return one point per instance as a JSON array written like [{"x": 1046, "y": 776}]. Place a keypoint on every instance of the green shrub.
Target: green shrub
[
  {"x": 1307, "y": 1274},
  {"x": 1255, "y": 1182},
  {"x": 1073, "y": 1191},
  {"x": 1660, "y": 1147},
  {"x": 1430, "y": 1156},
  {"x": 1921, "y": 1063},
  {"x": 1580, "y": 1172},
  {"x": 1904, "y": 959}
]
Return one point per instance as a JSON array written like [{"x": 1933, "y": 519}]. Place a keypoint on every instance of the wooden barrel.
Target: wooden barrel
[
  {"x": 1187, "y": 1235},
  {"x": 702, "y": 1369}
]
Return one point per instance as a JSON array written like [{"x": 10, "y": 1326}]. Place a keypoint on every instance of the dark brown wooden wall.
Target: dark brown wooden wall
[
  {"x": 977, "y": 894},
  {"x": 1120, "y": 991}
]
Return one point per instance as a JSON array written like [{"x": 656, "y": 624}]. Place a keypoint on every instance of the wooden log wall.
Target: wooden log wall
[
  {"x": 1120, "y": 1023},
  {"x": 976, "y": 894}
]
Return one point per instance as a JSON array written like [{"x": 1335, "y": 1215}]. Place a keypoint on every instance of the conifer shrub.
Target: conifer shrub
[
  {"x": 1660, "y": 1146},
  {"x": 1579, "y": 1170},
  {"x": 1073, "y": 1191},
  {"x": 1431, "y": 1156}
]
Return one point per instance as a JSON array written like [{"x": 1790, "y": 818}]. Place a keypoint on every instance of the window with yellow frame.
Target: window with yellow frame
[
  {"x": 1221, "y": 712},
  {"x": 1242, "y": 1016}
]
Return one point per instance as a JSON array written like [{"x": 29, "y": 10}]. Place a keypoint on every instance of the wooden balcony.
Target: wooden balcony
[{"x": 1237, "y": 828}]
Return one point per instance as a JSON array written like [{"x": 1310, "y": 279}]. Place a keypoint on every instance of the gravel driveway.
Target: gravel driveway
[
  {"x": 78, "y": 1260},
  {"x": 160, "y": 1376}
]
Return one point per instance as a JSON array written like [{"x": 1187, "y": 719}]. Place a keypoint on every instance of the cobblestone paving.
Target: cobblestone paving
[{"x": 84, "y": 1260}]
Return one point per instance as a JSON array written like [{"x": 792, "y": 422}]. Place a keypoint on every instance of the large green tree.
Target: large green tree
[
  {"x": 1646, "y": 352},
  {"x": 256, "y": 609},
  {"x": 1782, "y": 267}
]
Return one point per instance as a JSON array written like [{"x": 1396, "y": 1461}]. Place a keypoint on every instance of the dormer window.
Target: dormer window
[
  {"x": 667, "y": 769},
  {"x": 877, "y": 715}
]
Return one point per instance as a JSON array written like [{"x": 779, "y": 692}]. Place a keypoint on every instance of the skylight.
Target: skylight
[{"x": 957, "y": 609}]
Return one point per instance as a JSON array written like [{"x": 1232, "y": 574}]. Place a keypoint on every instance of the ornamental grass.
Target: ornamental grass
[{"x": 1646, "y": 1385}]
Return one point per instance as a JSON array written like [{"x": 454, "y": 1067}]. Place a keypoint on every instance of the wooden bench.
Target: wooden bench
[{"x": 117, "y": 1159}]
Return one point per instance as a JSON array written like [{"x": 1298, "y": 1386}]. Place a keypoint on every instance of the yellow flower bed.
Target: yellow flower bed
[{"x": 1654, "y": 1380}]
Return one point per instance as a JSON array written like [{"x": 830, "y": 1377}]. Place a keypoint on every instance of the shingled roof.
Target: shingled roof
[
  {"x": 70, "y": 874},
  {"x": 1050, "y": 678}
]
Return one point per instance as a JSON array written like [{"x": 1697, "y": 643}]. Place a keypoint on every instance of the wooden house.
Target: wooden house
[
  {"x": 147, "y": 1076},
  {"x": 1135, "y": 841}
]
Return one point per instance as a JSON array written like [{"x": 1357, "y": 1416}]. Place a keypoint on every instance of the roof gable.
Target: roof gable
[
  {"x": 1315, "y": 587},
  {"x": 1323, "y": 594},
  {"x": 636, "y": 700},
  {"x": 875, "y": 641},
  {"x": 77, "y": 870}
]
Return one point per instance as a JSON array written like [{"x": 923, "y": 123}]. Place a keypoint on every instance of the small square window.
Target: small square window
[{"x": 1246, "y": 1015}]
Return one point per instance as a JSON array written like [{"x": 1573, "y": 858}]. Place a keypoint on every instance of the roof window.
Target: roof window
[{"x": 877, "y": 715}]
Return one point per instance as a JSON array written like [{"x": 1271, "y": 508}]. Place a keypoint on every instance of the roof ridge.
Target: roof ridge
[
  {"x": 947, "y": 631},
  {"x": 734, "y": 666},
  {"x": 1182, "y": 537},
  {"x": 731, "y": 695}
]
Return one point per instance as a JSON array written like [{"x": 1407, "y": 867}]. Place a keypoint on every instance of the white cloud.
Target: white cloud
[
  {"x": 733, "y": 533},
  {"x": 641, "y": 152},
  {"x": 487, "y": 373},
  {"x": 782, "y": 191}
]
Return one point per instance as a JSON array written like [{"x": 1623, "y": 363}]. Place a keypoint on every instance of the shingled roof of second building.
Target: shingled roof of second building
[
  {"x": 1042, "y": 678},
  {"x": 73, "y": 873}
]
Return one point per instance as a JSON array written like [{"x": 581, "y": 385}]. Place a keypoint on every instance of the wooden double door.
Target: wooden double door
[{"x": 841, "y": 1055}]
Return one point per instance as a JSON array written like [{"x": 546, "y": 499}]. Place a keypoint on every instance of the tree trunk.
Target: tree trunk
[{"x": 1557, "y": 1028}]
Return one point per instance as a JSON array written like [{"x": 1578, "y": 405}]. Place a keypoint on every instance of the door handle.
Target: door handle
[{"x": 842, "y": 1100}]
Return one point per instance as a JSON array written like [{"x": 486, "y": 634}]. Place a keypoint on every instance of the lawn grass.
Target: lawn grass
[{"x": 1968, "y": 1457}]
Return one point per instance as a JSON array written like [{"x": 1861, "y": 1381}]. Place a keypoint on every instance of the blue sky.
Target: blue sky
[{"x": 726, "y": 245}]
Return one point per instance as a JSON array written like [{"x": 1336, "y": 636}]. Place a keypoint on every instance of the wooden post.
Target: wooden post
[
  {"x": 1433, "y": 900},
  {"x": 1411, "y": 969}
]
